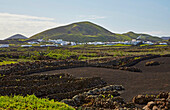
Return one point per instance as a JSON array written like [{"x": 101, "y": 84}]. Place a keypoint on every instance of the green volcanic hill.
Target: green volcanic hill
[
  {"x": 16, "y": 36},
  {"x": 142, "y": 36},
  {"x": 85, "y": 32}
]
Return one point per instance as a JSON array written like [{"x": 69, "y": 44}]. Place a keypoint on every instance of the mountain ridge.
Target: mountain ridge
[{"x": 87, "y": 32}]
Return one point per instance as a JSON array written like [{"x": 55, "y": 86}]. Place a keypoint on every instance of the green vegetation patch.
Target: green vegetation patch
[
  {"x": 7, "y": 62},
  {"x": 136, "y": 58},
  {"x": 144, "y": 45},
  {"x": 30, "y": 102},
  {"x": 160, "y": 45},
  {"x": 121, "y": 45},
  {"x": 58, "y": 54}
]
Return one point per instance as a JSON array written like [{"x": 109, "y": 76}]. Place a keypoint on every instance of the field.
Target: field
[{"x": 88, "y": 76}]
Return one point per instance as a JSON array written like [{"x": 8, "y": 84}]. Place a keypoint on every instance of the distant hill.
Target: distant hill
[
  {"x": 144, "y": 37},
  {"x": 17, "y": 36},
  {"x": 165, "y": 38},
  {"x": 87, "y": 31}
]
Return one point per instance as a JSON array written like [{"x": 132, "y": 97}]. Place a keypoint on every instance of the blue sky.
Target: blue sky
[{"x": 29, "y": 17}]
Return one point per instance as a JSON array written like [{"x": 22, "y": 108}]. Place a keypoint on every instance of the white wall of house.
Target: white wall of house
[
  {"x": 26, "y": 45},
  {"x": 163, "y": 43},
  {"x": 4, "y": 45},
  {"x": 33, "y": 42}
]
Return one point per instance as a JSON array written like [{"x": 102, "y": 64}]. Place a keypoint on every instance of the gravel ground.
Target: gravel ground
[{"x": 151, "y": 80}]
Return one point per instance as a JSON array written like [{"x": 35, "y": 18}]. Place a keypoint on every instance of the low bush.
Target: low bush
[
  {"x": 132, "y": 69},
  {"x": 152, "y": 63},
  {"x": 30, "y": 102}
]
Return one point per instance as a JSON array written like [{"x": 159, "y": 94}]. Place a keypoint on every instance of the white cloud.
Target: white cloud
[
  {"x": 18, "y": 17},
  {"x": 91, "y": 17},
  {"x": 11, "y": 24}
]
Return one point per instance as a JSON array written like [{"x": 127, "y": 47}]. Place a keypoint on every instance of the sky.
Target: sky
[{"x": 29, "y": 17}]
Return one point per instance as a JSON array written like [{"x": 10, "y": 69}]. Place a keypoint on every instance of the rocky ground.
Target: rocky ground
[
  {"x": 57, "y": 87},
  {"x": 97, "y": 87},
  {"x": 152, "y": 79},
  {"x": 109, "y": 97}
]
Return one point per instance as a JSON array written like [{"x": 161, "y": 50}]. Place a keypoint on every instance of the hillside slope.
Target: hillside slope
[
  {"x": 85, "y": 32},
  {"x": 16, "y": 36},
  {"x": 165, "y": 38},
  {"x": 142, "y": 36}
]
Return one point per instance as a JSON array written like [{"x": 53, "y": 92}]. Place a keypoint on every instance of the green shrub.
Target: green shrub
[
  {"x": 7, "y": 62},
  {"x": 136, "y": 58},
  {"x": 81, "y": 57},
  {"x": 30, "y": 102}
]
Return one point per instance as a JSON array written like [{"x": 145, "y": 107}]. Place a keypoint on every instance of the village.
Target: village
[{"x": 60, "y": 42}]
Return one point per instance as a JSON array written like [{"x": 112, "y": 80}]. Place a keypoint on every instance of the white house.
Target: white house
[
  {"x": 4, "y": 45},
  {"x": 95, "y": 43},
  {"x": 81, "y": 43},
  {"x": 33, "y": 42},
  {"x": 163, "y": 43},
  {"x": 58, "y": 41},
  {"x": 42, "y": 45},
  {"x": 148, "y": 42},
  {"x": 61, "y": 42},
  {"x": 99, "y": 43},
  {"x": 72, "y": 43},
  {"x": 40, "y": 40},
  {"x": 113, "y": 43},
  {"x": 135, "y": 42},
  {"x": 26, "y": 45},
  {"x": 51, "y": 45}
]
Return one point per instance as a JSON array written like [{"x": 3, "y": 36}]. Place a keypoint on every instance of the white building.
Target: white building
[
  {"x": 72, "y": 43},
  {"x": 81, "y": 43},
  {"x": 64, "y": 43},
  {"x": 51, "y": 45},
  {"x": 33, "y": 42},
  {"x": 148, "y": 42},
  {"x": 58, "y": 41},
  {"x": 26, "y": 45},
  {"x": 40, "y": 40},
  {"x": 113, "y": 43},
  {"x": 4, "y": 45},
  {"x": 96, "y": 43},
  {"x": 42, "y": 45},
  {"x": 163, "y": 43},
  {"x": 61, "y": 42}
]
